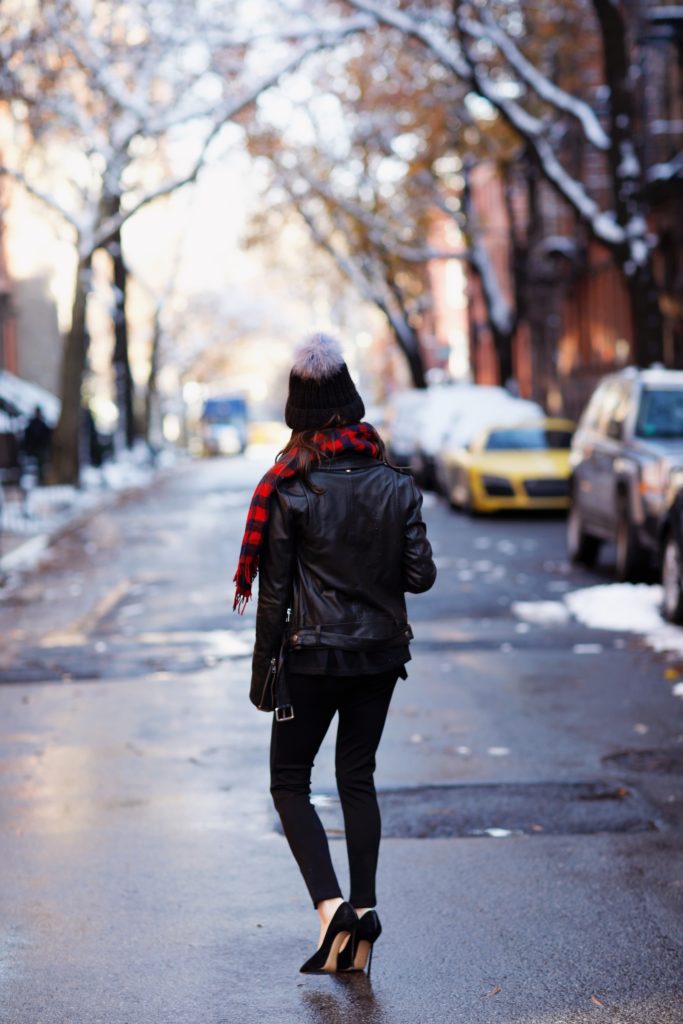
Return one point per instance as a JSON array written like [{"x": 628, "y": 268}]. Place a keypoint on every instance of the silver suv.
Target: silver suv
[{"x": 627, "y": 443}]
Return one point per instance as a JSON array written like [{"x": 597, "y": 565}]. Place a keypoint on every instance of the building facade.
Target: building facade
[{"x": 568, "y": 296}]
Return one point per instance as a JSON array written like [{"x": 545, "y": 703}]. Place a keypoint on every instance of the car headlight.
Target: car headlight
[{"x": 497, "y": 486}]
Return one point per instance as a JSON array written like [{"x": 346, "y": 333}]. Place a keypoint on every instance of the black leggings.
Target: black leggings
[{"x": 362, "y": 703}]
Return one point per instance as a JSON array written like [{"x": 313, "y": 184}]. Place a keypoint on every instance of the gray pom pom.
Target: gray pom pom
[{"x": 320, "y": 356}]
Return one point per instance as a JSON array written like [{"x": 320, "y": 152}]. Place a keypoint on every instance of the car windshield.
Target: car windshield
[
  {"x": 660, "y": 413},
  {"x": 527, "y": 439}
]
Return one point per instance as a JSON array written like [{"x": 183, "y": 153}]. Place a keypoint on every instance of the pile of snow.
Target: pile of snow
[
  {"x": 544, "y": 613},
  {"x": 47, "y": 504},
  {"x": 48, "y": 508},
  {"x": 627, "y": 607},
  {"x": 44, "y": 510},
  {"x": 24, "y": 396},
  {"x": 619, "y": 607},
  {"x": 623, "y": 607},
  {"x": 133, "y": 468}
]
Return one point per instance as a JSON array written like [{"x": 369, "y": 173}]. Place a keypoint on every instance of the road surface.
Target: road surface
[{"x": 531, "y": 777}]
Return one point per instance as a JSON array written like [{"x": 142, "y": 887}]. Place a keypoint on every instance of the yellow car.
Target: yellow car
[{"x": 525, "y": 466}]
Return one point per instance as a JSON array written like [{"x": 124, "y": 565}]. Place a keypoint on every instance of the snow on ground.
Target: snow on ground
[
  {"x": 28, "y": 556},
  {"x": 627, "y": 607},
  {"x": 541, "y": 612},
  {"x": 28, "y": 522},
  {"x": 631, "y": 607},
  {"x": 41, "y": 511},
  {"x": 621, "y": 607},
  {"x": 46, "y": 507}
]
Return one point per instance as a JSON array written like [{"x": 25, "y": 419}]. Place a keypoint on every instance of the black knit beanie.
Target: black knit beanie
[{"x": 320, "y": 387}]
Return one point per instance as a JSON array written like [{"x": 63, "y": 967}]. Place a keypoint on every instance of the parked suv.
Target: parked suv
[{"x": 627, "y": 444}]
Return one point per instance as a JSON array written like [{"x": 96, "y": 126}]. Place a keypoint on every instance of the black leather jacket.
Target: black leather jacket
[{"x": 342, "y": 561}]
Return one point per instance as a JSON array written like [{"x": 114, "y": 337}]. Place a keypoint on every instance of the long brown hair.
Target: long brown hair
[{"x": 309, "y": 454}]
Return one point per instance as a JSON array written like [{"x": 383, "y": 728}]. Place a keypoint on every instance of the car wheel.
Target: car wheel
[
  {"x": 672, "y": 585},
  {"x": 630, "y": 562},
  {"x": 582, "y": 547}
]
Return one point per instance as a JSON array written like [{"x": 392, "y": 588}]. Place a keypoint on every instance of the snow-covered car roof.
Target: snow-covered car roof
[
  {"x": 500, "y": 410},
  {"x": 450, "y": 407},
  {"x": 655, "y": 375}
]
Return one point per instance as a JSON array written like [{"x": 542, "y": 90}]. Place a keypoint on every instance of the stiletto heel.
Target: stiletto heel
[
  {"x": 325, "y": 959},
  {"x": 358, "y": 953}
]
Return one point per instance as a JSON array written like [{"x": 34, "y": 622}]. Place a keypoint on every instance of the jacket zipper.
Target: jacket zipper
[{"x": 269, "y": 676}]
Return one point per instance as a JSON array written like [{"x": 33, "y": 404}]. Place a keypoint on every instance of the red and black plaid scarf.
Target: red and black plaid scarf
[{"x": 360, "y": 437}]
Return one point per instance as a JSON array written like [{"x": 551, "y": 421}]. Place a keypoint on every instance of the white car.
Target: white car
[
  {"x": 399, "y": 430},
  {"x": 473, "y": 408}
]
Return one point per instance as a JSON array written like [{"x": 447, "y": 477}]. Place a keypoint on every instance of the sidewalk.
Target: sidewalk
[{"x": 29, "y": 524}]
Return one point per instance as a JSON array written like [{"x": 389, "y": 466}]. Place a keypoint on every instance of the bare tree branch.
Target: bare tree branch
[{"x": 44, "y": 197}]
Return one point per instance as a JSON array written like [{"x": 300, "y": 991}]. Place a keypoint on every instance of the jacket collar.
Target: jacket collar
[{"x": 349, "y": 460}]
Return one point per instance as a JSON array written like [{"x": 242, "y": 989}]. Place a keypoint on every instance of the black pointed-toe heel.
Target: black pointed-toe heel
[
  {"x": 342, "y": 925},
  {"x": 357, "y": 953}
]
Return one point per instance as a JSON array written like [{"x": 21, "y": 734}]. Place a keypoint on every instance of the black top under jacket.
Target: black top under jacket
[{"x": 342, "y": 561}]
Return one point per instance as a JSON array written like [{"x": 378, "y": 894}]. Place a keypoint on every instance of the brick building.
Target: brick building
[{"x": 573, "y": 319}]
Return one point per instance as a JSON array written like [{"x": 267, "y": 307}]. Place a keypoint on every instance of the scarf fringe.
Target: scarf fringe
[
  {"x": 240, "y": 603},
  {"x": 243, "y": 581}
]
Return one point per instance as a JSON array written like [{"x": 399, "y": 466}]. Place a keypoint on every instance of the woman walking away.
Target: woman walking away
[{"x": 337, "y": 536}]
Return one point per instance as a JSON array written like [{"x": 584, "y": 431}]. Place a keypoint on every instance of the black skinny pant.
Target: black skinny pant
[{"x": 362, "y": 703}]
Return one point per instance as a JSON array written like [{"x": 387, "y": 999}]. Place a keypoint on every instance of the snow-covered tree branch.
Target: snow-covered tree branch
[
  {"x": 484, "y": 56},
  {"x": 118, "y": 105}
]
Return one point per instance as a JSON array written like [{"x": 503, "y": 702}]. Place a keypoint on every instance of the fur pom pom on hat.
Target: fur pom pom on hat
[
  {"x": 319, "y": 356},
  {"x": 320, "y": 387}
]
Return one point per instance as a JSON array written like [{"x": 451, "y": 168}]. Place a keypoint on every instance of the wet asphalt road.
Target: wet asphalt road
[{"x": 143, "y": 876}]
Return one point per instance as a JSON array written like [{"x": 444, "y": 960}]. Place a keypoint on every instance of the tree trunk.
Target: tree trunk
[
  {"x": 151, "y": 392},
  {"x": 502, "y": 328},
  {"x": 628, "y": 181},
  {"x": 413, "y": 357},
  {"x": 646, "y": 317},
  {"x": 502, "y": 342},
  {"x": 406, "y": 336},
  {"x": 65, "y": 459},
  {"x": 408, "y": 342},
  {"x": 123, "y": 379}
]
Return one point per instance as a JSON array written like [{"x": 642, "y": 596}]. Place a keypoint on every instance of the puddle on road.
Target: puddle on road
[
  {"x": 502, "y": 810},
  {"x": 128, "y": 653},
  {"x": 666, "y": 761}
]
